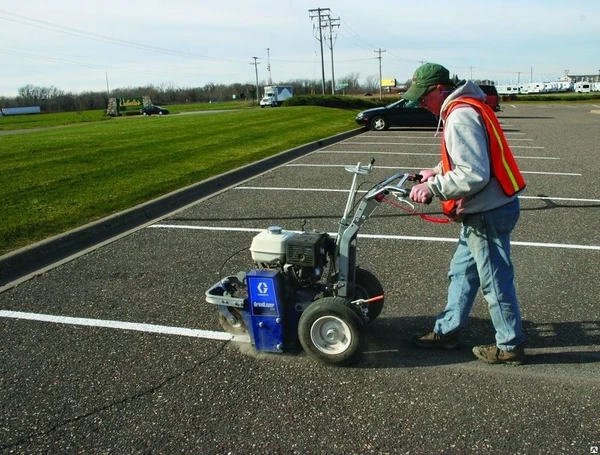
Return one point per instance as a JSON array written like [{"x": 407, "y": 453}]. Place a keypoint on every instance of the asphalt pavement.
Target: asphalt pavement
[{"x": 117, "y": 351}]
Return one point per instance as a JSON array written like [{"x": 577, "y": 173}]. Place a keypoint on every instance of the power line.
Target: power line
[
  {"x": 101, "y": 38},
  {"x": 90, "y": 65},
  {"x": 358, "y": 37}
]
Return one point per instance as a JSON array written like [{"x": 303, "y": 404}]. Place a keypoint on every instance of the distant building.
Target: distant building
[{"x": 582, "y": 77}]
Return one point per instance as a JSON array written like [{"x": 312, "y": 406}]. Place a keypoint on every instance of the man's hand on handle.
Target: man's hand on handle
[{"x": 421, "y": 193}]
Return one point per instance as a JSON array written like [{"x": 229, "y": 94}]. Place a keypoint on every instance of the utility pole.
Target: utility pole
[
  {"x": 531, "y": 75},
  {"x": 332, "y": 23},
  {"x": 256, "y": 72},
  {"x": 379, "y": 52},
  {"x": 321, "y": 14},
  {"x": 269, "y": 66}
]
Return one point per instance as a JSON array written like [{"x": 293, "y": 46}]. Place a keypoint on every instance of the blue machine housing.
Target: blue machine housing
[{"x": 273, "y": 321}]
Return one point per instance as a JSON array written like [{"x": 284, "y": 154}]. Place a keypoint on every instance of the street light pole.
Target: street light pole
[{"x": 269, "y": 65}]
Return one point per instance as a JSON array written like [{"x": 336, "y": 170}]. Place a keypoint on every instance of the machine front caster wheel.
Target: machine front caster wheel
[
  {"x": 331, "y": 331},
  {"x": 234, "y": 326}
]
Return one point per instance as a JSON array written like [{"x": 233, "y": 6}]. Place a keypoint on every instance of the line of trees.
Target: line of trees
[{"x": 52, "y": 99}]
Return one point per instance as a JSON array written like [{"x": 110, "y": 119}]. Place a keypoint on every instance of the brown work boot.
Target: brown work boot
[
  {"x": 493, "y": 354},
  {"x": 434, "y": 340}
]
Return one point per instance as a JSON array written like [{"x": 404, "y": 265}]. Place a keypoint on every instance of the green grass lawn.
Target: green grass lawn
[
  {"x": 61, "y": 178},
  {"x": 18, "y": 122}
]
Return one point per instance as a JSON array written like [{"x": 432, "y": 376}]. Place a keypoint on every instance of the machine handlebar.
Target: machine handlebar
[{"x": 386, "y": 186}]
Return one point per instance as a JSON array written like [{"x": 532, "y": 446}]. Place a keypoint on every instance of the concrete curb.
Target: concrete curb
[{"x": 25, "y": 263}]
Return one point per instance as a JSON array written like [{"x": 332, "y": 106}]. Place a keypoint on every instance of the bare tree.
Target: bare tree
[
  {"x": 52, "y": 99},
  {"x": 372, "y": 82}
]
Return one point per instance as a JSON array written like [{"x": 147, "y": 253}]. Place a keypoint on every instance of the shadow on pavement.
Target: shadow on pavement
[{"x": 389, "y": 343}]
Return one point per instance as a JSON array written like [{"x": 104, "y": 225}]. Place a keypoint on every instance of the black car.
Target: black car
[
  {"x": 149, "y": 110},
  {"x": 400, "y": 113}
]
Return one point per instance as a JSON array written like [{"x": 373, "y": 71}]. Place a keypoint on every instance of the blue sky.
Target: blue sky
[{"x": 76, "y": 45}]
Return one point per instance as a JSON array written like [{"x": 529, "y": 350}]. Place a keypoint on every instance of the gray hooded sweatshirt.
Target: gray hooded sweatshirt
[{"x": 470, "y": 178}]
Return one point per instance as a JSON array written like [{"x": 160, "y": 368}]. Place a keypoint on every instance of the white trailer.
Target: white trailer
[
  {"x": 508, "y": 89},
  {"x": 536, "y": 87},
  {"x": 583, "y": 87}
]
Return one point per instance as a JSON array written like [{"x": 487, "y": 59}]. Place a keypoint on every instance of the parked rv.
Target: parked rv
[
  {"x": 583, "y": 87},
  {"x": 508, "y": 89}
]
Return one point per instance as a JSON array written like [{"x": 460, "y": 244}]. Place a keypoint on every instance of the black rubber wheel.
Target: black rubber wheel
[
  {"x": 379, "y": 123},
  {"x": 236, "y": 327},
  {"x": 366, "y": 285},
  {"x": 331, "y": 331}
]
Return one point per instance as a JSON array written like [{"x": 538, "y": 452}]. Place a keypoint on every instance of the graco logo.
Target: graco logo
[{"x": 262, "y": 287}]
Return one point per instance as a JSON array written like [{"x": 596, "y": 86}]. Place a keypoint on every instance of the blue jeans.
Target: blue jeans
[{"x": 482, "y": 260}]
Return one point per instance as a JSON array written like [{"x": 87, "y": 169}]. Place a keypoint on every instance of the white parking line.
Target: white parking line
[
  {"x": 396, "y": 143},
  {"x": 425, "y": 134},
  {"x": 331, "y": 190},
  {"x": 120, "y": 325},
  {"x": 406, "y": 167},
  {"x": 354, "y": 141},
  {"x": 573, "y": 174},
  {"x": 376, "y": 236},
  {"x": 362, "y": 152},
  {"x": 526, "y": 147},
  {"x": 431, "y": 144}
]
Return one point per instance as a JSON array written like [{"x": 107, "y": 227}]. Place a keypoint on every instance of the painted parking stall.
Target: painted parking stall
[{"x": 119, "y": 349}]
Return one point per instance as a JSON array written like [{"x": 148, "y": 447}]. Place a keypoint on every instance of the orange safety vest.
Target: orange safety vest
[{"x": 503, "y": 164}]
